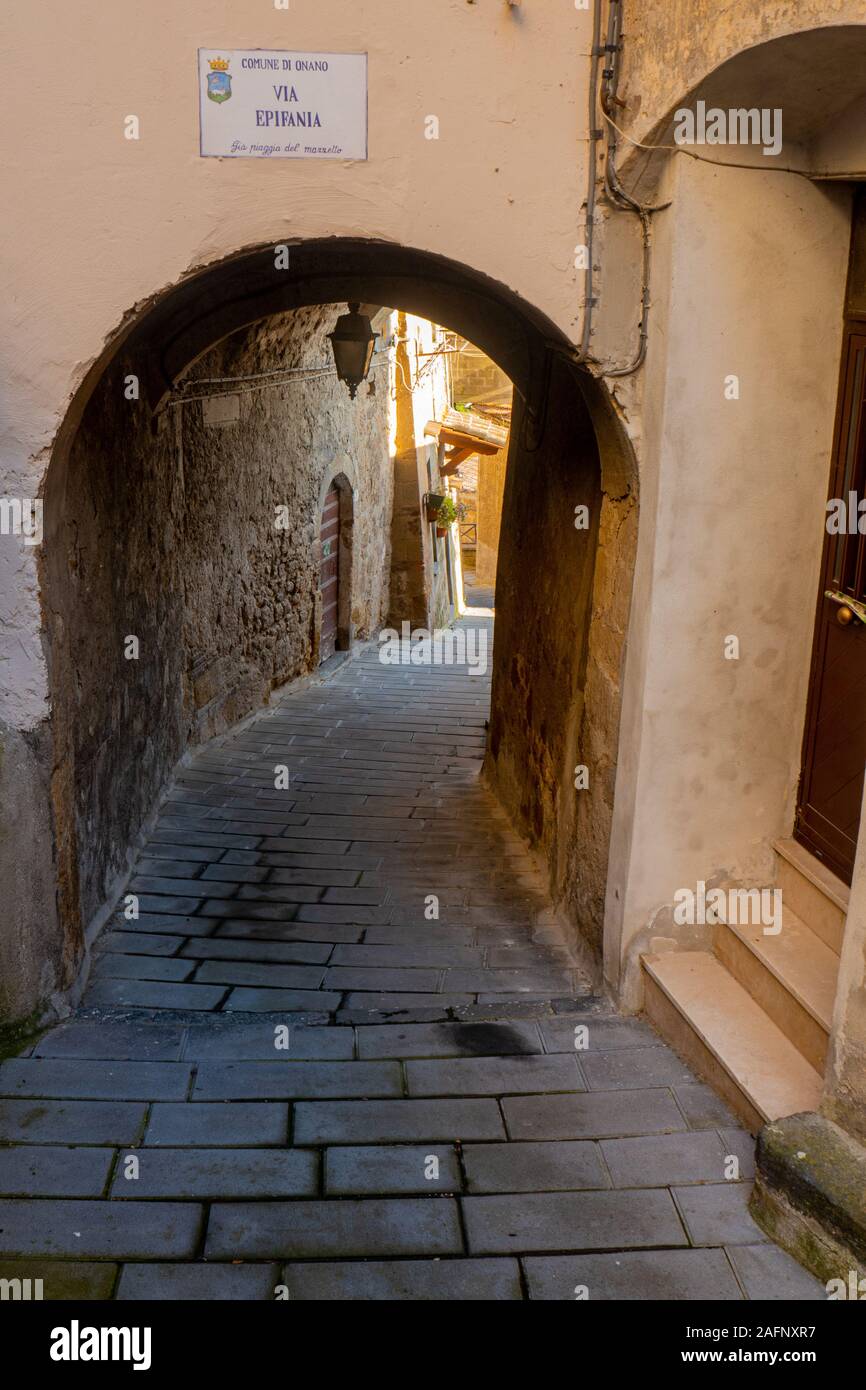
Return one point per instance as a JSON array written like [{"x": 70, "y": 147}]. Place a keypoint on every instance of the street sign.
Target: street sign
[{"x": 258, "y": 103}]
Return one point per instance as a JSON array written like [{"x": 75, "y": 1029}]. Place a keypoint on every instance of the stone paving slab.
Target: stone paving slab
[
  {"x": 448, "y": 1039},
  {"x": 120, "y": 1042},
  {"x": 552, "y": 1166},
  {"x": 645, "y": 1066},
  {"x": 372, "y": 1001},
  {"x": 680, "y": 1275},
  {"x": 54, "y": 1172},
  {"x": 513, "y": 957},
  {"x": 140, "y": 943},
  {"x": 185, "y": 889},
  {"x": 524, "y": 980},
  {"x": 266, "y": 1041},
  {"x": 596, "y": 1115},
  {"x": 391, "y": 1169},
  {"x": 268, "y": 974},
  {"x": 464, "y": 1281},
  {"x": 235, "y": 1124},
  {"x": 210, "y": 1283},
  {"x": 168, "y": 904},
  {"x": 659, "y": 1160},
  {"x": 61, "y": 1078},
  {"x": 100, "y": 1230},
  {"x": 309, "y": 1230},
  {"x": 768, "y": 1273},
  {"x": 159, "y": 922},
  {"x": 64, "y": 1280},
  {"x": 248, "y": 1174},
  {"x": 382, "y": 980},
  {"x": 286, "y": 952},
  {"x": 245, "y": 999},
  {"x": 225, "y": 909},
  {"x": 554, "y": 1220},
  {"x": 718, "y": 1214},
  {"x": 70, "y": 1122},
  {"x": 396, "y": 1121},
  {"x": 145, "y": 994},
  {"x": 335, "y": 913},
  {"x": 601, "y": 1035},
  {"x": 403, "y": 1013},
  {"x": 203, "y": 854},
  {"x": 412, "y": 957},
  {"x": 289, "y": 1079},
  {"x": 114, "y": 965},
  {"x": 493, "y": 1076},
  {"x": 702, "y": 1107},
  {"x": 276, "y": 893},
  {"x": 255, "y": 929},
  {"x": 740, "y": 1144},
  {"x": 432, "y": 933}
]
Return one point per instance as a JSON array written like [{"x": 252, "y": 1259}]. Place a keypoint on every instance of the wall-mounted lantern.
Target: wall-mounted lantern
[{"x": 352, "y": 342}]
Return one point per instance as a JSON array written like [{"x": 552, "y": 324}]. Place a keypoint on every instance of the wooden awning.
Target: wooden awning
[{"x": 460, "y": 445}]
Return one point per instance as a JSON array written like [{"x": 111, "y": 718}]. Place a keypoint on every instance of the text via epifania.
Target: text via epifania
[{"x": 279, "y": 116}]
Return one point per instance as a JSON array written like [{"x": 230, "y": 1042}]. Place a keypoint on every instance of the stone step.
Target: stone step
[
  {"x": 727, "y": 1037},
  {"x": 792, "y": 976},
  {"x": 812, "y": 891}
]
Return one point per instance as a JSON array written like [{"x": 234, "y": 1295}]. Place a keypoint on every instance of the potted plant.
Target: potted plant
[
  {"x": 446, "y": 514},
  {"x": 432, "y": 502}
]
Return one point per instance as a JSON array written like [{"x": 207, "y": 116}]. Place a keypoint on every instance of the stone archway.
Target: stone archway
[{"x": 556, "y": 700}]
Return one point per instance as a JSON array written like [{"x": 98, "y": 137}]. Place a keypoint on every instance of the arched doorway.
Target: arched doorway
[
  {"x": 557, "y": 661},
  {"x": 335, "y": 556}
]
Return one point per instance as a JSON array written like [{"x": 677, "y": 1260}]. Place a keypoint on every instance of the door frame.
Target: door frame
[
  {"x": 853, "y": 328},
  {"x": 343, "y": 479}
]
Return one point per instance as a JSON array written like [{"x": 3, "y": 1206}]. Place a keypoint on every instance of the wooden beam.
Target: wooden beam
[{"x": 460, "y": 439}]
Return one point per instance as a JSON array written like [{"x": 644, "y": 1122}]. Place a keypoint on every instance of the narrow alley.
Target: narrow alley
[{"x": 344, "y": 1052}]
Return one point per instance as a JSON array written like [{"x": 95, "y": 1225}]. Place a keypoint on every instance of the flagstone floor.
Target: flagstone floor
[{"x": 344, "y": 1051}]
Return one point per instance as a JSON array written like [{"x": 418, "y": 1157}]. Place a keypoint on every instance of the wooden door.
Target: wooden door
[
  {"x": 834, "y": 748},
  {"x": 329, "y": 573}
]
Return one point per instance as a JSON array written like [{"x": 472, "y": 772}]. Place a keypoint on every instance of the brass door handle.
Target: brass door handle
[{"x": 848, "y": 610}]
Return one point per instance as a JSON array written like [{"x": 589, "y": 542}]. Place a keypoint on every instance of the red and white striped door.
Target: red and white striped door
[{"x": 329, "y": 573}]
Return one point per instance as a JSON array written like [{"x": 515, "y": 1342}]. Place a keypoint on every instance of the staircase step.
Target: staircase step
[
  {"x": 725, "y": 1035},
  {"x": 792, "y": 976},
  {"x": 812, "y": 891}
]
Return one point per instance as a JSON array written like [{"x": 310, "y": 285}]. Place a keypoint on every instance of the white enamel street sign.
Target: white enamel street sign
[{"x": 263, "y": 103}]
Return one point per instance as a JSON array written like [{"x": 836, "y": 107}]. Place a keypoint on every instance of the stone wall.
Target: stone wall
[
  {"x": 253, "y": 624},
  {"x": 491, "y": 487},
  {"x": 166, "y": 531},
  {"x": 549, "y": 690},
  {"x": 31, "y": 944},
  {"x": 477, "y": 379}
]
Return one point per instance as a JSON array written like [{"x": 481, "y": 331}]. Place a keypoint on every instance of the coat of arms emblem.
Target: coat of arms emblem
[{"x": 219, "y": 82}]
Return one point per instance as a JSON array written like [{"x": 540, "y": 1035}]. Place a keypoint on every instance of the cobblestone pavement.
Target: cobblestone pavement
[{"x": 290, "y": 1078}]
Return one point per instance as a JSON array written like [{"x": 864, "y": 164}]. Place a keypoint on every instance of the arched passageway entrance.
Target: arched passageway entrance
[
  {"x": 143, "y": 519},
  {"x": 335, "y": 555}
]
